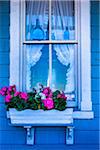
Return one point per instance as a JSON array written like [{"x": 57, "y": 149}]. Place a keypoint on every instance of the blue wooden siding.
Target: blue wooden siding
[{"x": 86, "y": 131}]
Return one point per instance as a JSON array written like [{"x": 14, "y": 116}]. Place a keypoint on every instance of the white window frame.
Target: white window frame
[{"x": 84, "y": 76}]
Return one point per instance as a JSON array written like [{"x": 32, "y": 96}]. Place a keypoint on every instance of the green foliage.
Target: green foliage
[
  {"x": 60, "y": 104},
  {"x": 44, "y": 99}
]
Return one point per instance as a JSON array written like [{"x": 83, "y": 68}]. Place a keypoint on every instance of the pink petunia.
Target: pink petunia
[
  {"x": 8, "y": 98},
  {"x": 47, "y": 92},
  {"x": 12, "y": 88},
  {"x": 2, "y": 93},
  {"x": 50, "y": 95},
  {"x": 4, "y": 89},
  {"x": 17, "y": 93},
  {"x": 48, "y": 103},
  {"x": 61, "y": 96},
  {"x": 24, "y": 95}
]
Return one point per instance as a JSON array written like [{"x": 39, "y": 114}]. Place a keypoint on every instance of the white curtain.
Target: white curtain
[
  {"x": 33, "y": 53},
  {"x": 62, "y": 20},
  {"x": 37, "y": 19},
  {"x": 63, "y": 29},
  {"x": 36, "y": 29}
]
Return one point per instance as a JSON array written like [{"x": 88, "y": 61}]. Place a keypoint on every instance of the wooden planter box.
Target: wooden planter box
[{"x": 32, "y": 118}]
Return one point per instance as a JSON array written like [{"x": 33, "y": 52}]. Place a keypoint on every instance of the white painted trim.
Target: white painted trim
[
  {"x": 14, "y": 42},
  {"x": 83, "y": 115},
  {"x": 86, "y": 103},
  {"x": 52, "y": 42}
]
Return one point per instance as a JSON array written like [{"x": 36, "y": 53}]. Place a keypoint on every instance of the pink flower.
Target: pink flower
[
  {"x": 61, "y": 96},
  {"x": 47, "y": 92},
  {"x": 50, "y": 95},
  {"x": 17, "y": 93},
  {"x": 2, "y": 93},
  {"x": 24, "y": 95},
  {"x": 4, "y": 89},
  {"x": 8, "y": 93},
  {"x": 8, "y": 98},
  {"x": 12, "y": 88},
  {"x": 48, "y": 103}
]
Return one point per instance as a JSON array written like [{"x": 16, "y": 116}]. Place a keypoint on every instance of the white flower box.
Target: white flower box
[
  {"x": 41, "y": 117},
  {"x": 32, "y": 118}
]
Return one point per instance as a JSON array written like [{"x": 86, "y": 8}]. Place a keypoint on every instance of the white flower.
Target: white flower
[{"x": 42, "y": 96}]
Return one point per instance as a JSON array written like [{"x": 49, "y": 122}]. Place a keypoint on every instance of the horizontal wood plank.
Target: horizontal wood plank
[
  {"x": 13, "y": 137},
  {"x": 4, "y": 45},
  {"x": 4, "y": 71},
  {"x": 3, "y": 17},
  {"x": 86, "y": 137},
  {"x": 4, "y": 32},
  {"x": 50, "y": 147},
  {"x": 4, "y": 82},
  {"x": 95, "y": 33},
  {"x": 4, "y": 58},
  {"x": 4, "y": 6}
]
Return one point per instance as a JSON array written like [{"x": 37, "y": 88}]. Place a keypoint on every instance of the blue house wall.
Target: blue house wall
[{"x": 47, "y": 138}]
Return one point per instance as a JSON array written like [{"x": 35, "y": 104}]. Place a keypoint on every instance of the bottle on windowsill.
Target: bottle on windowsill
[{"x": 37, "y": 32}]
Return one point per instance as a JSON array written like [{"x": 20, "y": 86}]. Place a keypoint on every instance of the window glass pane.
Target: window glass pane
[
  {"x": 63, "y": 68},
  {"x": 63, "y": 20},
  {"x": 37, "y": 20},
  {"x": 37, "y": 65}
]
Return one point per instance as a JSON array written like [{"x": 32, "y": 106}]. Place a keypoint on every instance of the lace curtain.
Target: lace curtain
[
  {"x": 36, "y": 29},
  {"x": 63, "y": 29},
  {"x": 62, "y": 24}
]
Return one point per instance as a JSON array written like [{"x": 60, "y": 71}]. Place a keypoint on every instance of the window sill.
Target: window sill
[{"x": 83, "y": 115}]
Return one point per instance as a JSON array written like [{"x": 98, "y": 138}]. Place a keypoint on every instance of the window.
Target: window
[
  {"x": 50, "y": 43},
  {"x": 52, "y": 25}
]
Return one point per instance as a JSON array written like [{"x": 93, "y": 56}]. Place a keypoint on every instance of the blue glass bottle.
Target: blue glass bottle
[{"x": 37, "y": 32}]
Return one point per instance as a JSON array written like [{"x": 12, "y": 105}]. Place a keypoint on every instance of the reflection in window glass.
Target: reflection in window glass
[
  {"x": 37, "y": 65},
  {"x": 37, "y": 20},
  {"x": 63, "y": 77},
  {"x": 63, "y": 24}
]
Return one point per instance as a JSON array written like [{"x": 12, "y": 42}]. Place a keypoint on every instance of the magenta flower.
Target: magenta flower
[
  {"x": 47, "y": 91},
  {"x": 61, "y": 96},
  {"x": 8, "y": 98},
  {"x": 24, "y": 95},
  {"x": 17, "y": 94},
  {"x": 50, "y": 95},
  {"x": 8, "y": 93},
  {"x": 4, "y": 89},
  {"x": 2, "y": 93},
  {"x": 48, "y": 103},
  {"x": 12, "y": 88}
]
